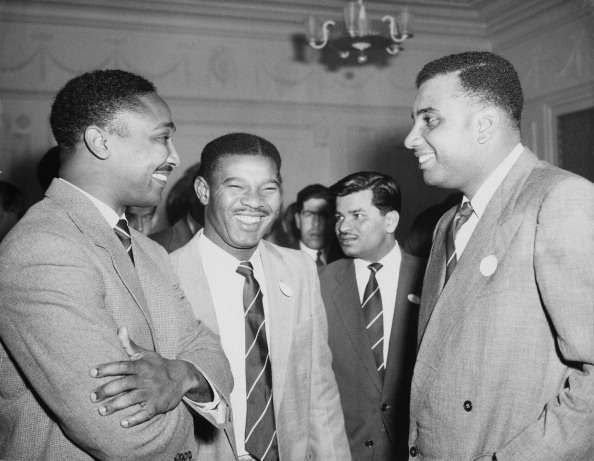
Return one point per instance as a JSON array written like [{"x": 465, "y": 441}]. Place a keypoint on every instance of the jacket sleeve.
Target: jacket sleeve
[
  {"x": 564, "y": 271},
  {"x": 55, "y": 326}
]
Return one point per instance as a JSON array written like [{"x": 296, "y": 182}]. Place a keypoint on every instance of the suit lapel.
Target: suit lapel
[
  {"x": 346, "y": 303},
  {"x": 91, "y": 223},
  {"x": 281, "y": 299},
  {"x": 404, "y": 322},
  {"x": 487, "y": 241}
]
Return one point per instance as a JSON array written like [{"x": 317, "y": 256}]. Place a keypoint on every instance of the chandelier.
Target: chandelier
[{"x": 357, "y": 33}]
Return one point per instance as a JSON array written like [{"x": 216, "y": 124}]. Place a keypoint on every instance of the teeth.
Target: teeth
[
  {"x": 425, "y": 157},
  {"x": 160, "y": 177},
  {"x": 249, "y": 219}
]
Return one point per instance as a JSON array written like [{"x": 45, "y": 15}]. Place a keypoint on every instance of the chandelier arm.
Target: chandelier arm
[
  {"x": 394, "y": 32},
  {"x": 325, "y": 36}
]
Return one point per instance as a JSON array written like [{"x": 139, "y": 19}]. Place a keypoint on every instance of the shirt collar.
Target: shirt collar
[
  {"x": 310, "y": 251},
  {"x": 212, "y": 252},
  {"x": 392, "y": 258},
  {"x": 106, "y": 211},
  {"x": 484, "y": 193}
]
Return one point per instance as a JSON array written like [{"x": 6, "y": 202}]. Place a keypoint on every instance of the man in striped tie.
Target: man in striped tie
[
  {"x": 265, "y": 304},
  {"x": 371, "y": 300}
]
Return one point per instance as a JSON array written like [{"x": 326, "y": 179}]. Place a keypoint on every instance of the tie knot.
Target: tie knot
[
  {"x": 245, "y": 268},
  {"x": 465, "y": 210},
  {"x": 374, "y": 267},
  {"x": 122, "y": 227}
]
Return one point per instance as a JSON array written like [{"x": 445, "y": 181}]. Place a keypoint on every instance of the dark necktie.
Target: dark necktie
[
  {"x": 123, "y": 232},
  {"x": 374, "y": 318},
  {"x": 460, "y": 217},
  {"x": 319, "y": 260},
  {"x": 260, "y": 430}
]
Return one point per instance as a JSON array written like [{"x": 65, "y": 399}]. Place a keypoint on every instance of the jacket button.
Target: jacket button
[
  {"x": 385, "y": 407},
  {"x": 467, "y": 405},
  {"x": 369, "y": 443},
  {"x": 413, "y": 451}
]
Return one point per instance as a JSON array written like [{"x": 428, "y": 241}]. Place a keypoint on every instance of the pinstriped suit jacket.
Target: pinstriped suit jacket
[
  {"x": 506, "y": 357},
  {"x": 309, "y": 420},
  {"x": 66, "y": 285}
]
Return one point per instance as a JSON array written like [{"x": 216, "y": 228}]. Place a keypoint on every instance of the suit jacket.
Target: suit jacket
[
  {"x": 506, "y": 357},
  {"x": 309, "y": 420},
  {"x": 174, "y": 237},
  {"x": 376, "y": 415},
  {"x": 66, "y": 286}
]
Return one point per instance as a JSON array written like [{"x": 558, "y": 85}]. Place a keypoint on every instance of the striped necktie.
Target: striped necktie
[
  {"x": 319, "y": 260},
  {"x": 374, "y": 321},
  {"x": 460, "y": 217},
  {"x": 260, "y": 430},
  {"x": 123, "y": 232}
]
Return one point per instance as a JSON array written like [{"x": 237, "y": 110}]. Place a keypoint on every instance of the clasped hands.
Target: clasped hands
[{"x": 147, "y": 379}]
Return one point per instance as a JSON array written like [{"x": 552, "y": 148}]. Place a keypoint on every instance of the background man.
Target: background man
[
  {"x": 505, "y": 368},
  {"x": 12, "y": 207},
  {"x": 313, "y": 221},
  {"x": 74, "y": 282},
  {"x": 285, "y": 400},
  {"x": 372, "y": 301}
]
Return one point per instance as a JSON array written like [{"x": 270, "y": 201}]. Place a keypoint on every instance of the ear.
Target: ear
[
  {"x": 486, "y": 122},
  {"x": 96, "y": 142},
  {"x": 202, "y": 190},
  {"x": 391, "y": 220},
  {"x": 297, "y": 217}
]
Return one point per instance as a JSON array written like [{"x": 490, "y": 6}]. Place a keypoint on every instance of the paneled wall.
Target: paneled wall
[{"x": 233, "y": 66}]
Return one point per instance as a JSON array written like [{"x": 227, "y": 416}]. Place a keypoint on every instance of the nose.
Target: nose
[
  {"x": 252, "y": 198},
  {"x": 173, "y": 157},
  {"x": 342, "y": 225},
  {"x": 413, "y": 138}
]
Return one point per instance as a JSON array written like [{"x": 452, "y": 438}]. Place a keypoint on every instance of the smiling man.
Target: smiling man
[
  {"x": 371, "y": 300},
  {"x": 505, "y": 364},
  {"x": 266, "y": 306},
  {"x": 76, "y": 284}
]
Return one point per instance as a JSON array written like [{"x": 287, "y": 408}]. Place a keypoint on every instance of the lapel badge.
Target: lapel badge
[
  {"x": 285, "y": 289},
  {"x": 488, "y": 265},
  {"x": 414, "y": 298}
]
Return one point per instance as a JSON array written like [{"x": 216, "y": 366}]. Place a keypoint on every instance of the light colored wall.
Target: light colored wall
[{"x": 230, "y": 66}]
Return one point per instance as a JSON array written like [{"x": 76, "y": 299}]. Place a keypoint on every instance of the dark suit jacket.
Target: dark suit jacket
[
  {"x": 376, "y": 416},
  {"x": 66, "y": 285},
  {"x": 174, "y": 237}
]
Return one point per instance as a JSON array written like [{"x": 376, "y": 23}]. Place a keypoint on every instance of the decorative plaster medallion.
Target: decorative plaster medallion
[{"x": 488, "y": 265}]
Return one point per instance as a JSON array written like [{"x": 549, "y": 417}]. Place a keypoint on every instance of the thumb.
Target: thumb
[{"x": 133, "y": 351}]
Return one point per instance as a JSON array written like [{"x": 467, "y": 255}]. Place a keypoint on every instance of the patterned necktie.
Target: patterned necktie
[
  {"x": 260, "y": 430},
  {"x": 123, "y": 232},
  {"x": 460, "y": 217},
  {"x": 374, "y": 318}
]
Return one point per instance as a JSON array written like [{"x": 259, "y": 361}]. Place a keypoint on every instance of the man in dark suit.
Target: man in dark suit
[
  {"x": 505, "y": 367},
  {"x": 76, "y": 285},
  {"x": 372, "y": 302}
]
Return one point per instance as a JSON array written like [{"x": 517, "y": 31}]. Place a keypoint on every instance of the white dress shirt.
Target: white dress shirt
[
  {"x": 482, "y": 197},
  {"x": 226, "y": 288},
  {"x": 387, "y": 280},
  {"x": 313, "y": 254}
]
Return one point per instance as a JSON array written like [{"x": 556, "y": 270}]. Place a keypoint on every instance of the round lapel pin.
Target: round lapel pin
[{"x": 488, "y": 265}]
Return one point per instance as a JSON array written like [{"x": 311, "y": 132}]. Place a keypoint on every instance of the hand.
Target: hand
[{"x": 154, "y": 383}]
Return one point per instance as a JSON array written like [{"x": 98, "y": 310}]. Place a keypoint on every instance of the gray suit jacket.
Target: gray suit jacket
[
  {"x": 376, "y": 414},
  {"x": 309, "y": 420},
  {"x": 66, "y": 285},
  {"x": 506, "y": 357}
]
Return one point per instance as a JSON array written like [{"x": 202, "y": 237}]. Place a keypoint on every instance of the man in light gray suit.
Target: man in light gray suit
[
  {"x": 505, "y": 365},
  {"x": 264, "y": 301},
  {"x": 77, "y": 286}
]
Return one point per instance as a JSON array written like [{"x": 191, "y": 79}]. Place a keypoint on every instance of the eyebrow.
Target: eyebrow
[
  {"x": 169, "y": 125},
  {"x": 422, "y": 111}
]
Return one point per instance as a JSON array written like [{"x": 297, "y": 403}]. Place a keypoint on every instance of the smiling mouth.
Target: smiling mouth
[
  {"x": 424, "y": 158},
  {"x": 249, "y": 219},
  {"x": 162, "y": 174}
]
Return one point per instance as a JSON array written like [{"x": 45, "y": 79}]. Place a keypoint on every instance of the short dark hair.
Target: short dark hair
[
  {"x": 312, "y": 191},
  {"x": 482, "y": 74},
  {"x": 236, "y": 144},
  {"x": 386, "y": 193},
  {"x": 94, "y": 98},
  {"x": 12, "y": 199}
]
